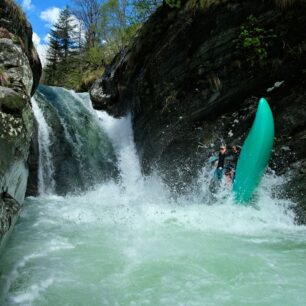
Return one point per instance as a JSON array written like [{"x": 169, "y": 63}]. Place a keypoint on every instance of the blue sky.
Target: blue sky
[{"x": 42, "y": 14}]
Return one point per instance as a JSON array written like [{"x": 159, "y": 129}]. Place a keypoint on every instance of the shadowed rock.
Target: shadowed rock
[{"x": 190, "y": 85}]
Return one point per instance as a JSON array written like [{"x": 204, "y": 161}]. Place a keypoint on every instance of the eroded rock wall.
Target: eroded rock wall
[
  {"x": 20, "y": 71},
  {"x": 192, "y": 82}
]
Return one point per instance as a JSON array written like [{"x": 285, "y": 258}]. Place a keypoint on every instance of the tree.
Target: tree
[
  {"x": 89, "y": 12},
  {"x": 62, "y": 46},
  {"x": 66, "y": 30},
  {"x": 144, "y": 8},
  {"x": 116, "y": 27},
  {"x": 53, "y": 58},
  {"x": 83, "y": 43}
]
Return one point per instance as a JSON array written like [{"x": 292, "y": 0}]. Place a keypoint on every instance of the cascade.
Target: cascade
[{"x": 75, "y": 152}]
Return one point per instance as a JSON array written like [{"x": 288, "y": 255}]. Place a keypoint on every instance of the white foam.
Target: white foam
[
  {"x": 46, "y": 183},
  {"x": 132, "y": 242},
  {"x": 33, "y": 292}
]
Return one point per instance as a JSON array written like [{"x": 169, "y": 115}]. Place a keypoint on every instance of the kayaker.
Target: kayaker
[
  {"x": 220, "y": 165},
  {"x": 230, "y": 163}
]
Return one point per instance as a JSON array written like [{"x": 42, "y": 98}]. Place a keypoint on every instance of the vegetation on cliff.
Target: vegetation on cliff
[{"x": 87, "y": 37}]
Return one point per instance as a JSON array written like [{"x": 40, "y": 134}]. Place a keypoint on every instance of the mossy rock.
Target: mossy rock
[{"x": 11, "y": 102}]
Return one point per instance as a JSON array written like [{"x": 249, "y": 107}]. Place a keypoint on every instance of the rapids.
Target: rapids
[{"x": 129, "y": 242}]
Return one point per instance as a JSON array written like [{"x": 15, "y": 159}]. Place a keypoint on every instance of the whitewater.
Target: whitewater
[{"x": 128, "y": 241}]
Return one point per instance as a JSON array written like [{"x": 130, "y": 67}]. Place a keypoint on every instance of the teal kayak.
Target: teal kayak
[{"x": 255, "y": 154}]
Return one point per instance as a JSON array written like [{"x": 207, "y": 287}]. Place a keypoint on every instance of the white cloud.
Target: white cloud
[
  {"x": 47, "y": 38},
  {"x": 50, "y": 15},
  {"x": 36, "y": 39},
  {"x": 27, "y": 4},
  {"x": 41, "y": 48}
]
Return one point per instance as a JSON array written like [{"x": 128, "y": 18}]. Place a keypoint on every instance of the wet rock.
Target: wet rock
[
  {"x": 20, "y": 71},
  {"x": 16, "y": 67},
  {"x": 9, "y": 208},
  {"x": 14, "y": 25}
]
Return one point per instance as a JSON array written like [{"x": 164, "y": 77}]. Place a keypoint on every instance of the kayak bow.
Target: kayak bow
[{"x": 255, "y": 154}]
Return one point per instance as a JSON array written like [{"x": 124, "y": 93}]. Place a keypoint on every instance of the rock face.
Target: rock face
[
  {"x": 193, "y": 77},
  {"x": 20, "y": 71}
]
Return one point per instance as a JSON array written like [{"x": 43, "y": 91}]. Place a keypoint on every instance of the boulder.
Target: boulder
[{"x": 20, "y": 71}]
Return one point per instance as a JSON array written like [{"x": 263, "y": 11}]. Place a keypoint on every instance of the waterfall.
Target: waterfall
[
  {"x": 75, "y": 152},
  {"x": 46, "y": 183},
  {"x": 121, "y": 134}
]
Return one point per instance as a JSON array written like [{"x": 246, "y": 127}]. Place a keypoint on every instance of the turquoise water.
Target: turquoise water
[{"x": 108, "y": 247}]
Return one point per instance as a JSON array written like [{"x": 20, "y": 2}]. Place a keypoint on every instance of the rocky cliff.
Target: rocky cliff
[
  {"x": 20, "y": 70},
  {"x": 192, "y": 79}
]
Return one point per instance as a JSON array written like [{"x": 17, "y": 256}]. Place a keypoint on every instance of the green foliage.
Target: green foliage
[
  {"x": 253, "y": 42},
  {"x": 109, "y": 26},
  {"x": 95, "y": 57},
  {"x": 116, "y": 27},
  {"x": 88, "y": 78},
  {"x": 174, "y": 3},
  {"x": 16, "y": 40},
  {"x": 143, "y": 9}
]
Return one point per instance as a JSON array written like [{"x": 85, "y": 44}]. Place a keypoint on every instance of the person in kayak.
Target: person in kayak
[
  {"x": 221, "y": 160},
  {"x": 230, "y": 163},
  {"x": 226, "y": 163}
]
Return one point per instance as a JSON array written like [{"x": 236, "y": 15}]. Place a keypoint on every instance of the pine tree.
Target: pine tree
[
  {"x": 62, "y": 47},
  {"x": 67, "y": 33},
  {"x": 53, "y": 58}
]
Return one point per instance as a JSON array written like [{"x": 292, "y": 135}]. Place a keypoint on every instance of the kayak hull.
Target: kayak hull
[{"x": 255, "y": 154}]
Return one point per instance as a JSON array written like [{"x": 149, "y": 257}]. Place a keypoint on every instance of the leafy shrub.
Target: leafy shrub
[
  {"x": 253, "y": 42},
  {"x": 16, "y": 40}
]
